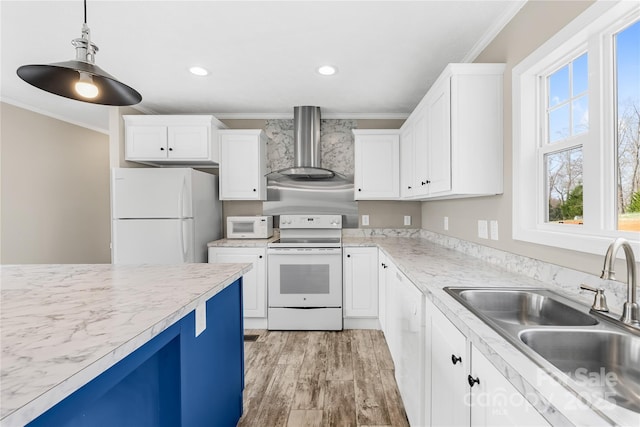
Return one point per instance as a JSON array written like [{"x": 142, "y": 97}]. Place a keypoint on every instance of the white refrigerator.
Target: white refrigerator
[{"x": 163, "y": 215}]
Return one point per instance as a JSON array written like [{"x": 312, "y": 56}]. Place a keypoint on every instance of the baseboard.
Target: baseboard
[
  {"x": 349, "y": 323},
  {"x": 361, "y": 323},
  {"x": 255, "y": 323}
]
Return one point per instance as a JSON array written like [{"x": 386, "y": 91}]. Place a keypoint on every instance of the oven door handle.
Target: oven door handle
[{"x": 304, "y": 251}]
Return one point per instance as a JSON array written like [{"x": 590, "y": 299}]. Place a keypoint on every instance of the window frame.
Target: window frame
[{"x": 590, "y": 32}]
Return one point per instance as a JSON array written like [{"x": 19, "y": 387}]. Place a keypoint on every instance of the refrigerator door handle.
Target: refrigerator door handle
[
  {"x": 183, "y": 243},
  {"x": 181, "y": 200}
]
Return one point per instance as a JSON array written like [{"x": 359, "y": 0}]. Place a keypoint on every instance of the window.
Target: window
[
  {"x": 567, "y": 119},
  {"x": 627, "y": 78},
  {"x": 576, "y": 170}
]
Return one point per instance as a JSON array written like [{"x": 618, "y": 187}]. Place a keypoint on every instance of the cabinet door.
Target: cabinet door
[
  {"x": 494, "y": 401},
  {"x": 407, "y": 176},
  {"x": 420, "y": 153},
  {"x": 392, "y": 313},
  {"x": 242, "y": 167},
  {"x": 254, "y": 282},
  {"x": 429, "y": 308},
  {"x": 383, "y": 266},
  {"x": 439, "y": 137},
  {"x": 377, "y": 167},
  {"x": 360, "y": 282},
  {"x": 410, "y": 369},
  {"x": 449, "y": 369},
  {"x": 188, "y": 142},
  {"x": 146, "y": 142}
]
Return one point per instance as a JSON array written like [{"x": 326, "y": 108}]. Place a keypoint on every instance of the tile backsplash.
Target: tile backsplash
[{"x": 336, "y": 144}]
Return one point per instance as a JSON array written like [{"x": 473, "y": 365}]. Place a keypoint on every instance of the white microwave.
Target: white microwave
[{"x": 249, "y": 227}]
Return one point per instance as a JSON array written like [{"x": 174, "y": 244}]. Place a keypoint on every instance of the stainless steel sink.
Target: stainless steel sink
[
  {"x": 607, "y": 361},
  {"x": 562, "y": 336},
  {"x": 524, "y": 307}
]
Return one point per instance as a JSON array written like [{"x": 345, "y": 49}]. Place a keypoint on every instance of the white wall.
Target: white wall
[
  {"x": 55, "y": 191},
  {"x": 536, "y": 22}
]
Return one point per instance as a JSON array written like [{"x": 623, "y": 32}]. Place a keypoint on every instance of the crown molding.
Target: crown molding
[
  {"x": 511, "y": 10},
  {"x": 335, "y": 116},
  {"x": 53, "y": 116}
]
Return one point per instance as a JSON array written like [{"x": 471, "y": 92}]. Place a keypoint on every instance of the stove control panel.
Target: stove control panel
[{"x": 311, "y": 221}]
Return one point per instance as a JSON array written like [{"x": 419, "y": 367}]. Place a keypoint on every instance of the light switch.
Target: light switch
[
  {"x": 493, "y": 229},
  {"x": 407, "y": 220},
  {"x": 446, "y": 223},
  {"x": 483, "y": 229},
  {"x": 365, "y": 219}
]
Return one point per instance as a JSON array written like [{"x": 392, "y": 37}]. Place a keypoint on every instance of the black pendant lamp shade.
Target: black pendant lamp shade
[
  {"x": 60, "y": 78},
  {"x": 66, "y": 78}
]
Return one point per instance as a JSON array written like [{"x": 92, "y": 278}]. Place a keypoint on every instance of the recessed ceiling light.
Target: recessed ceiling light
[
  {"x": 327, "y": 70},
  {"x": 198, "y": 71}
]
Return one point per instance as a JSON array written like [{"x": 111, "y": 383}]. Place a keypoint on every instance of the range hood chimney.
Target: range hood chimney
[
  {"x": 306, "y": 145},
  {"x": 306, "y": 188}
]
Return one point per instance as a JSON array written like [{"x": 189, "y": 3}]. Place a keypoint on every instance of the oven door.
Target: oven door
[{"x": 305, "y": 277}]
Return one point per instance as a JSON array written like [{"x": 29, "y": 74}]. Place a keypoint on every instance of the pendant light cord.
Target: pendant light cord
[{"x": 85, "y": 11}]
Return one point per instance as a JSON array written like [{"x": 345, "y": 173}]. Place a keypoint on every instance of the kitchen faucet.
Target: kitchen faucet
[{"x": 630, "y": 311}]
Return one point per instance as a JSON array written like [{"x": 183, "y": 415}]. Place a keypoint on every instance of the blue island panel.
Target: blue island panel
[
  {"x": 212, "y": 364},
  {"x": 176, "y": 379}
]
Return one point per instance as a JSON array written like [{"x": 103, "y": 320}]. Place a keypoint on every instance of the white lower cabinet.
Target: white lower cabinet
[
  {"x": 254, "y": 282},
  {"x": 392, "y": 313},
  {"x": 456, "y": 364},
  {"x": 494, "y": 401},
  {"x": 409, "y": 370},
  {"x": 383, "y": 267},
  {"x": 404, "y": 332},
  {"x": 360, "y": 269},
  {"x": 449, "y": 367}
]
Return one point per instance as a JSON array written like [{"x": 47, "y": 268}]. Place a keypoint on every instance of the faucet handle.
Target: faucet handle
[{"x": 599, "y": 301}]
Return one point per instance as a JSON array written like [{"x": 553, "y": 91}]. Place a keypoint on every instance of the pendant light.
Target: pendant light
[{"x": 80, "y": 79}]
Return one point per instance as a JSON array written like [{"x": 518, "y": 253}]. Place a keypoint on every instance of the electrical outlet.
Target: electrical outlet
[
  {"x": 483, "y": 229},
  {"x": 446, "y": 223},
  {"x": 365, "y": 219},
  {"x": 493, "y": 229},
  {"x": 407, "y": 220}
]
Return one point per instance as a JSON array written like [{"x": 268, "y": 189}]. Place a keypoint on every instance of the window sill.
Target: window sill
[{"x": 575, "y": 240}]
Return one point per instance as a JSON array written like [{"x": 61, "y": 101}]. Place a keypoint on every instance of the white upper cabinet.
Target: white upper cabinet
[
  {"x": 453, "y": 140},
  {"x": 377, "y": 165},
  {"x": 407, "y": 174},
  {"x": 172, "y": 139},
  {"x": 243, "y": 165},
  {"x": 437, "y": 173},
  {"x": 413, "y": 155}
]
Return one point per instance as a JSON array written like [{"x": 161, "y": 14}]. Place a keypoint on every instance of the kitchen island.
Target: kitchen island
[{"x": 89, "y": 340}]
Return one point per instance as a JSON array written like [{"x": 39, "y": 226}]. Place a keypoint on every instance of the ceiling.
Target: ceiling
[{"x": 262, "y": 55}]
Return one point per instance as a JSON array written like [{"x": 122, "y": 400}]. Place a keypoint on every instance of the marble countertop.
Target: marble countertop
[
  {"x": 63, "y": 325},
  {"x": 243, "y": 243},
  {"x": 432, "y": 267}
]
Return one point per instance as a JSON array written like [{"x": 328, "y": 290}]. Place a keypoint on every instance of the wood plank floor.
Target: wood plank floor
[{"x": 324, "y": 379}]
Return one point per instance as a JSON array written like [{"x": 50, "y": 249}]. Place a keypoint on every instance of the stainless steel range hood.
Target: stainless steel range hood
[
  {"x": 307, "y": 188},
  {"x": 306, "y": 146}
]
